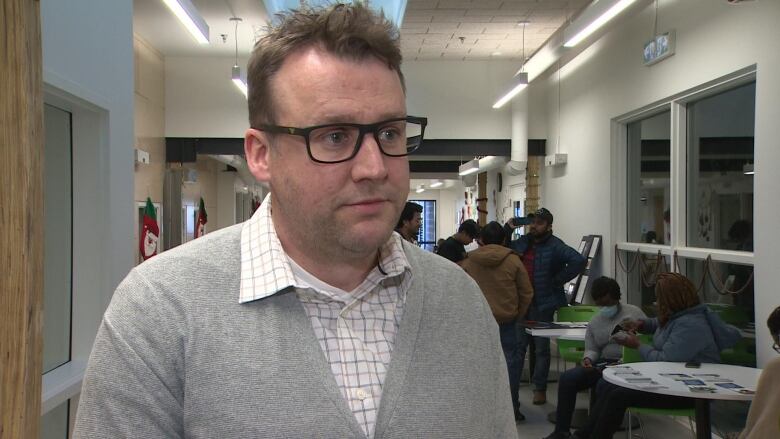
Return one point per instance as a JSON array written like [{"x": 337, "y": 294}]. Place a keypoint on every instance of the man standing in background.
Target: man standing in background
[
  {"x": 454, "y": 247},
  {"x": 501, "y": 276},
  {"x": 550, "y": 263},
  {"x": 409, "y": 223}
]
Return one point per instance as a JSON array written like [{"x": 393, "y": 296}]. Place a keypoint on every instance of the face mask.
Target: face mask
[{"x": 609, "y": 311}]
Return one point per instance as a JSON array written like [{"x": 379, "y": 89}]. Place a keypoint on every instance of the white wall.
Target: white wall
[
  {"x": 201, "y": 100},
  {"x": 88, "y": 68},
  {"x": 608, "y": 79},
  {"x": 88, "y": 60},
  {"x": 457, "y": 97}
]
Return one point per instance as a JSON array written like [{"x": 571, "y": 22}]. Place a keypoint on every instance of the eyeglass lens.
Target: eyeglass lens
[{"x": 338, "y": 142}]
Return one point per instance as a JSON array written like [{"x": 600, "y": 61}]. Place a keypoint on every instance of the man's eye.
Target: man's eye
[
  {"x": 389, "y": 135},
  {"x": 334, "y": 137}
]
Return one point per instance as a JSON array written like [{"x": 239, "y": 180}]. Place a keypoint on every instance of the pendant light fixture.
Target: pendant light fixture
[
  {"x": 520, "y": 81},
  {"x": 236, "y": 72}
]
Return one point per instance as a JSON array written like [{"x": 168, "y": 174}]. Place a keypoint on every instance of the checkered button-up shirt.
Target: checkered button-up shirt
[{"x": 356, "y": 330}]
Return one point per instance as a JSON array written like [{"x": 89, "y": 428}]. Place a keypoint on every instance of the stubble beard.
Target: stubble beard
[{"x": 328, "y": 238}]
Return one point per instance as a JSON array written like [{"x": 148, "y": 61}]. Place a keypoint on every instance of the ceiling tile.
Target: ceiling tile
[
  {"x": 508, "y": 18},
  {"x": 422, "y": 18},
  {"x": 429, "y": 38},
  {"x": 443, "y": 12},
  {"x": 442, "y": 27},
  {"x": 492, "y": 36},
  {"x": 457, "y": 19},
  {"x": 422, "y": 4},
  {"x": 478, "y": 12},
  {"x": 461, "y": 4},
  {"x": 477, "y": 28},
  {"x": 415, "y": 27}
]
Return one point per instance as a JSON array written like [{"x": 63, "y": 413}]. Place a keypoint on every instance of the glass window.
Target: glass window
[
  {"x": 640, "y": 271},
  {"x": 720, "y": 170},
  {"x": 649, "y": 179},
  {"x": 426, "y": 236},
  {"x": 58, "y": 231},
  {"x": 54, "y": 424},
  {"x": 718, "y": 277}
]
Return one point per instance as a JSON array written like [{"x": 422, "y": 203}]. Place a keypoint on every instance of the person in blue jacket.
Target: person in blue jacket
[
  {"x": 684, "y": 331},
  {"x": 550, "y": 263}
]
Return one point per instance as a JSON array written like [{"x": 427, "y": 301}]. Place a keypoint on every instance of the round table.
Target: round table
[{"x": 744, "y": 376}]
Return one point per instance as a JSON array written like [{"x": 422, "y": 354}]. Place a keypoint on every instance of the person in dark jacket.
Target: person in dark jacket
[
  {"x": 685, "y": 330},
  {"x": 454, "y": 247},
  {"x": 501, "y": 276},
  {"x": 550, "y": 263}
]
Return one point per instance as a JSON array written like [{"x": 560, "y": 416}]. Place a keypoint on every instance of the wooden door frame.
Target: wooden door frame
[{"x": 21, "y": 219}]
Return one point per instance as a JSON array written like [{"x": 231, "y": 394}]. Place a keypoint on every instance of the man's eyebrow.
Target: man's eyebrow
[{"x": 341, "y": 118}]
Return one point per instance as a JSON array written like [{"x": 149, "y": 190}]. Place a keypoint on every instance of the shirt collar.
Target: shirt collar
[{"x": 266, "y": 269}]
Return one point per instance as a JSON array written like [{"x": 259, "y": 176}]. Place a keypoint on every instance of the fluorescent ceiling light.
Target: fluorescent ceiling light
[
  {"x": 436, "y": 183},
  {"x": 392, "y": 9},
  {"x": 420, "y": 189},
  {"x": 748, "y": 169},
  {"x": 469, "y": 167},
  {"x": 238, "y": 81},
  {"x": 190, "y": 18},
  {"x": 609, "y": 14},
  {"x": 520, "y": 82}
]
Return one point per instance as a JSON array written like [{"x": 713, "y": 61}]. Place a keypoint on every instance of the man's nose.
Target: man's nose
[{"x": 369, "y": 163}]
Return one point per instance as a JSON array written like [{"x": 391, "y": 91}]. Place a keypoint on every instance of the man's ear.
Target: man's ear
[{"x": 257, "y": 150}]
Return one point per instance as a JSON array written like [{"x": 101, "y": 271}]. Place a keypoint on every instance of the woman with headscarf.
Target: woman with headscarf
[{"x": 684, "y": 331}]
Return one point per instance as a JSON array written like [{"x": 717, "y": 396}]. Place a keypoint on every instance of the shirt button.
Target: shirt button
[{"x": 361, "y": 394}]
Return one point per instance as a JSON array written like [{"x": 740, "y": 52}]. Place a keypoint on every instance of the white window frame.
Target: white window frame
[
  {"x": 678, "y": 173},
  {"x": 90, "y": 292}
]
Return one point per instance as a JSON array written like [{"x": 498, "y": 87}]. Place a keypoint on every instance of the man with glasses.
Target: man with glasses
[{"x": 312, "y": 319}]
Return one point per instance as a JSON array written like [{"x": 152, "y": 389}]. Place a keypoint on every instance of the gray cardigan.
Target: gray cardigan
[{"x": 176, "y": 355}]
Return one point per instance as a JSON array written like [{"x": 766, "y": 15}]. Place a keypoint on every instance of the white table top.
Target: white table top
[
  {"x": 567, "y": 333},
  {"x": 564, "y": 333},
  {"x": 746, "y": 377}
]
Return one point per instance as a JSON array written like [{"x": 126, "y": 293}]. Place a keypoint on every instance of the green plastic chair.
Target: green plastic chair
[
  {"x": 731, "y": 314},
  {"x": 744, "y": 352},
  {"x": 631, "y": 355},
  {"x": 573, "y": 350},
  {"x": 741, "y": 354}
]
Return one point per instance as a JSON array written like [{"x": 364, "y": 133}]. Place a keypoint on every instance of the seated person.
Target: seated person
[
  {"x": 599, "y": 349},
  {"x": 763, "y": 420},
  {"x": 684, "y": 331}
]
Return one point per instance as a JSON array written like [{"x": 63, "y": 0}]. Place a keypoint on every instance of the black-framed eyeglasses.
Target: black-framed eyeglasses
[
  {"x": 339, "y": 142},
  {"x": 776, "y": 348}
]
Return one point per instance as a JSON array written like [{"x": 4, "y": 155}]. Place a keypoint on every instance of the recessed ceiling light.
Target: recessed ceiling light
[{"x": 495, "y": 53}]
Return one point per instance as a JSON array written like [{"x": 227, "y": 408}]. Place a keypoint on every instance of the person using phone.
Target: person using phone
[
  {"x": 600, "y": 350},
  {"x": 550, "y": 263},
  {"x": 685, "y": 330},
  {"x": 764, "y": 417}
]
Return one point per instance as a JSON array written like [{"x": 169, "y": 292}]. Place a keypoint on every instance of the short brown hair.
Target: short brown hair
[
  {"x": 674, "y": 293},
  {"x": 352, "y": 32}
]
